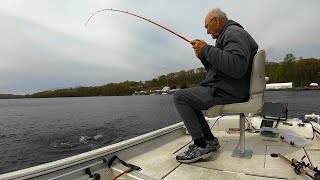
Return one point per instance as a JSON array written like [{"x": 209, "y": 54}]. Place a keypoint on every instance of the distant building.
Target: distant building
[
  {"x": 267, "y": 79},
  {"x": 314, "y": 84},
  {"x": 165, "y": 89},
  {"x": 287, "y": 85}
]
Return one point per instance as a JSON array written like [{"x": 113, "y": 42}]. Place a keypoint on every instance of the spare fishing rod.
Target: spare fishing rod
[
  {"x": 126, "y": 12},
  {"x": 299, "y": 166}
]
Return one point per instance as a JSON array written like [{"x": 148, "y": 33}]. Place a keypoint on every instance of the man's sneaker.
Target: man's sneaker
[
  {"x": 213, "y": 145},
  {"x": 193, "y": 154}
]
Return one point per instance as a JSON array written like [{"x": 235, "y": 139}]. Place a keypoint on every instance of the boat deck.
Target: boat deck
[
  {"x": 155, "y": 153},
  {"x": 158, "y": 158}
]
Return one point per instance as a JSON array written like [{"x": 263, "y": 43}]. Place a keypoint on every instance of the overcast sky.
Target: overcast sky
[{"x": 45, "y": 44}]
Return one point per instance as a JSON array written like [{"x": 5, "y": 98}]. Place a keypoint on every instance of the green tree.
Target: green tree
[{"x": 289, "y": 57}]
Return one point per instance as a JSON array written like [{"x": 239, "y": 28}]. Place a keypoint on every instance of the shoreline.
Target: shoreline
[
  {"x": 296, "y": 89},
  {"x": 12, "y": 96}
]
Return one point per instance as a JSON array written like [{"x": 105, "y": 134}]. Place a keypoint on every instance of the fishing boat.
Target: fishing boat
[
  {"x": 258, "y": 141},
  {"x": 155, "y": 153}
]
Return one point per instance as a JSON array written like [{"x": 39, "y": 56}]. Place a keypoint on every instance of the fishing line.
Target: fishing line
[{"x": 126, "y": 12}]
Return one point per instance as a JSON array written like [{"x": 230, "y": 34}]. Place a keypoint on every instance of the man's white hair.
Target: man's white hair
[{"x": 216, "y": 12}]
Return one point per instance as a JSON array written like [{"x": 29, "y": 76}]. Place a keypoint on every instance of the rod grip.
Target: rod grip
[{"x": 284, "y": 158}]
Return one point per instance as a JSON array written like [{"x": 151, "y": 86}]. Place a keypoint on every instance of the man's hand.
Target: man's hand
[{"x": 197, "y": 45}]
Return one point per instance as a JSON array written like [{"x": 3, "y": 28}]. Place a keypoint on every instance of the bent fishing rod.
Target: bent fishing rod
[{"x": 126, "y": 12}]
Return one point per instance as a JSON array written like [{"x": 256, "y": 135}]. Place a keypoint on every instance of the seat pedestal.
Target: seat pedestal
[
  {"x": 242, "y": 152},
  {"x": 247, "y": 154}
]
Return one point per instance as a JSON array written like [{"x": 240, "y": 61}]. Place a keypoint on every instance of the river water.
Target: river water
[{"x": 36, "y": 131}]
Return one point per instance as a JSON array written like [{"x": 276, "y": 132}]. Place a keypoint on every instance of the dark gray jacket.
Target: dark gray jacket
[{"x": 229, "y": 64}]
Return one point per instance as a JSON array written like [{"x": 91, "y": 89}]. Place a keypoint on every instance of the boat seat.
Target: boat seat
[{"x": 253, "y": 105}]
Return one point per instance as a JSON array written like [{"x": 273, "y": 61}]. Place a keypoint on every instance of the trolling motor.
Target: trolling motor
[{"x": 299, "y": 166}]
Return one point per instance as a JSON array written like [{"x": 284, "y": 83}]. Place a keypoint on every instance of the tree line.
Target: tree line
[
  {"x": 301, "y": 72},
  {"x": 182, "y": 79}
]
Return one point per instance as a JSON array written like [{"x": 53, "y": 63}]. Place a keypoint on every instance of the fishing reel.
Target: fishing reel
[{"x": 299, "y": 165}]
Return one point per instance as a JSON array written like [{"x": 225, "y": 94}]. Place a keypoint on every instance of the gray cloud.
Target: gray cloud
[{"x": 46, "y": 46}]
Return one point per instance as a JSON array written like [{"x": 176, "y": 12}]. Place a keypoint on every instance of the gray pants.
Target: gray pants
[{"x": 189, "y": 103}]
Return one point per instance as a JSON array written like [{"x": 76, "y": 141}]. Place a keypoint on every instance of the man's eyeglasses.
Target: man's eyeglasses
[{"x": 206, "y": 26}]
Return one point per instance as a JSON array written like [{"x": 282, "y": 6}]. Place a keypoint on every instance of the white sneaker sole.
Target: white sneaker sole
[{"x": 205, "y": 156}]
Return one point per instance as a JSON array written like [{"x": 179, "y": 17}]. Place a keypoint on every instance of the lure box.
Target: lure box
[{"x": 295, "y": 140}]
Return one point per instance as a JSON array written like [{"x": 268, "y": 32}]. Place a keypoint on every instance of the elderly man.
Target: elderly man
[{"x": 228, "y": 65}]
